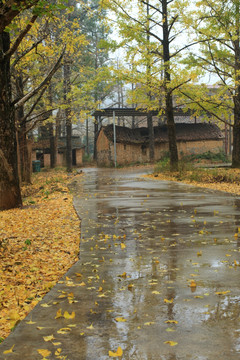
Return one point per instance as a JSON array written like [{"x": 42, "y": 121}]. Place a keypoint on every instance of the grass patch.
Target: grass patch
[{"x": 209, "y": 156}]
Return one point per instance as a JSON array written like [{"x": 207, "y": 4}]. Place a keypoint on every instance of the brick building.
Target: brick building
[
  {"x": 41, "y": 151},
  {"x": 132, "y": 145}
]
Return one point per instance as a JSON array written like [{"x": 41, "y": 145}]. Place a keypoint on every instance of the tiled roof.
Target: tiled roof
[
  {"x": 184, "y": 132},
  {"x": 45, "y": 144}
]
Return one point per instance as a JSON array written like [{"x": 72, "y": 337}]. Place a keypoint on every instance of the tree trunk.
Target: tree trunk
[
  {"x": 51, "y": 132},
  {"x": 168, "y": 93},
  {"x": 24, "y": 156},
  {"x": 87, "y": 137},
  {"x": 52, "y": 146},
  {"x": 236, "y": 100},
  {"x": 95, "y": 137},
  {"x": 67, "y": 88},
  {"x": 236, "y": 136},
  {"x": 57, "y": 135},
  {"x": 171, "y": 134},
  {"x": 10, "y": 195},
  {"x": 151, "y": 136}
]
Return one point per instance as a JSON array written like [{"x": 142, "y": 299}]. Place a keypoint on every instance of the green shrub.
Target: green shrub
[{"x": 208, "y": 155}]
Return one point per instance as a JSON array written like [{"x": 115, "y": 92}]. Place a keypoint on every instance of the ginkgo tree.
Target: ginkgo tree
[
  {"x": 30, "y": 61},
  {"x": 10, "y": 195},
  {"x": 216, "y": 25},
  {"x": 152, "y": 32}
]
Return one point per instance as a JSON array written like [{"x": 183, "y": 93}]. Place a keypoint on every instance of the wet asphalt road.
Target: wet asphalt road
[{"x": 158, "y": 276}]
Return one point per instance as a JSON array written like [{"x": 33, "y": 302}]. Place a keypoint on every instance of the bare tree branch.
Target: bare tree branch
[
  {"x": 34, "y": 105},
  {"x": 152, "y": 6},
  {"x": 38, "y": 118},
  {"x": 172, "y": 23}
]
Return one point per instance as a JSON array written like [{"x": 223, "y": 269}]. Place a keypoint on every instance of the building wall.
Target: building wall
[
  {"x": 190, "y": 147},
  {"x": 199, "y": 147},
  {"x": 34, "y": 155},
  {"x": 104, "y": 157},
  {"x": 61, "y": 158},
  {"x": 79, "y": 156},
  {"x": 47, "y": 162},
  {"x": 133, "y": 153}
]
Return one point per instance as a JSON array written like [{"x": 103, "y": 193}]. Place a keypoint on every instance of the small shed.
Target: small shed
[
  {"x": 132, "y": 145},
  {"x": 41, "y": 151}
]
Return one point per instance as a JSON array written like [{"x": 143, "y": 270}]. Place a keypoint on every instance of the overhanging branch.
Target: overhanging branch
[{"x": 45, "y": 82}]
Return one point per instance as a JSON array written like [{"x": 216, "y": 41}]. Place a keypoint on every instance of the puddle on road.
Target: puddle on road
[{"x": 160, "y": 262}]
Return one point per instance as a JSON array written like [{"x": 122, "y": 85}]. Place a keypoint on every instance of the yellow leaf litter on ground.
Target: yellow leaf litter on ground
[
  {"x": 38, "y": 244},
  {"x": 233, "y": 187}
]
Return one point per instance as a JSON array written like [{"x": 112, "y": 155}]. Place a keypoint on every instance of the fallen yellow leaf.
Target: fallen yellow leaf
[
  {"x": 120, "y": 319},
  {"x": 118, "y": 353},
  {"x": 193, "y": 284},
  {"x": 171, "y": 322},
  {"x": 91, "y": 327},
  {"x": 222, "y": 292},
  {"x": 123, "y": 246},
  {"x": 44, "y": 352},
  {"x": 69, "y": 316},
  {"x": 168, "y": 301},
  {"x": 101, "y": 295},
  {"x": 59, "y": 314},
  {"x": 9, "y": 351},
  {"x": 58, "y": 351},
  {"x": 64, "y": 331},
  {"x": 124, "y": 275},
  {"x": 45, "y": 305},
  {"x": 171, "y": 343},
  {"x": 48, "y": 338}
]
